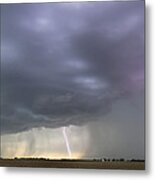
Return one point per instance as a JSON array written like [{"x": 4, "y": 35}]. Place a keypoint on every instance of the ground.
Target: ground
[{"x": 73, "y": 164}]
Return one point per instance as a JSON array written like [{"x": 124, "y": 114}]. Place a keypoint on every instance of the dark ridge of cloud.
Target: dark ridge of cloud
[{"x": 66, "y": 63}]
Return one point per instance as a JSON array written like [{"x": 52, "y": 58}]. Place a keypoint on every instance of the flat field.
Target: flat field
[{"x": 72, "y": 164}]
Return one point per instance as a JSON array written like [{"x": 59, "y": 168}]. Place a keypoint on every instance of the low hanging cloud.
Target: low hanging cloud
[{"x": 66, "y": 63}]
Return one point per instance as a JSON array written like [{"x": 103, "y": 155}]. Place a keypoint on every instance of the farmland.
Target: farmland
[{"x": 92, "y": 164}]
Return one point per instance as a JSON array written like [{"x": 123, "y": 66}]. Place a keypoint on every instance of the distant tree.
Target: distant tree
[{"x": 133, "y": 160}]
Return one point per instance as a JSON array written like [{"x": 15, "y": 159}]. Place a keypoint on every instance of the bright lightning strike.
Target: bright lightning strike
[{"x": 67, "y": 142}]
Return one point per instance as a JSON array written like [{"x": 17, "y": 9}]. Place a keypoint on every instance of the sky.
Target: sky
[{"x": 72, "y": 80}]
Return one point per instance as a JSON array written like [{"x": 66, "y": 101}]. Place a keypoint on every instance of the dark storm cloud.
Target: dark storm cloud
[{"x": 65, "y": 63}]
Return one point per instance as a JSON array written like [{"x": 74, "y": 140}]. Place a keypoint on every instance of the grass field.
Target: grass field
[{"x": 72, "y": 164}]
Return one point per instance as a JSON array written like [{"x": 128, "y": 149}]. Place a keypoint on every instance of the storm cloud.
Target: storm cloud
[{"x": 67, "y": 63}]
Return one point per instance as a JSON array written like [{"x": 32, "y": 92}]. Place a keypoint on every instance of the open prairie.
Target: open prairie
[{"x": 73, "y": 164}]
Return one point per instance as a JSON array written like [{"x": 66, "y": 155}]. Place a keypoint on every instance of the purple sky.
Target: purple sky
[{"x": 68, "y": 64}]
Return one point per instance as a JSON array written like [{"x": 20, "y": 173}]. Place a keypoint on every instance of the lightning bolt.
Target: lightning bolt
[{"x": 66, "y": 141}]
